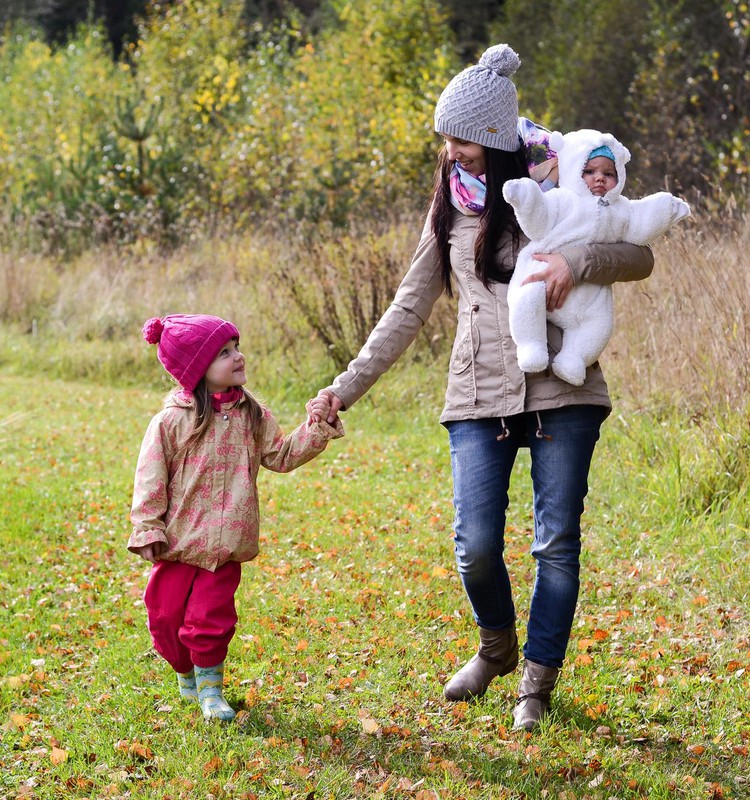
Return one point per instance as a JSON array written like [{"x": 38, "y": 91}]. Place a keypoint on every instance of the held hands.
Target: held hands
[
  {"x": 557, "y": 276},
  {"x": 325, "y": 406},
  {"x": 151, "y": 552}
]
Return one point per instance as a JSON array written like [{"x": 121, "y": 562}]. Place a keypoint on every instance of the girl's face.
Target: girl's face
[
  {"x": 227, "y": 369},
  {"x": 469, "y": 155},
  {"x": 600, "y": 175}
]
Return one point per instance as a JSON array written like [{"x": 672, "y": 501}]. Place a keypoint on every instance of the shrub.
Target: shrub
[
  {"x": 362, "y": 109},
  {"x": 206, "y": 123},
  {"x": 54, "y": 134}
]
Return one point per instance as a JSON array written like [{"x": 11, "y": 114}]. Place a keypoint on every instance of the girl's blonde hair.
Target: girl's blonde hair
[{"x": 202, "y": 413}]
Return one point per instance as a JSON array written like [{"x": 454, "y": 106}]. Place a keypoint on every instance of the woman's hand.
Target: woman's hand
[{"x": 557, "y": 276}]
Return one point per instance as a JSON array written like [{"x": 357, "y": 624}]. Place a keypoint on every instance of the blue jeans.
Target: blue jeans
[{"x": 482, "y": 467}]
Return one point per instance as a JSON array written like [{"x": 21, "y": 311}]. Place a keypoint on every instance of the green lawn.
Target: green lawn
[{"x": 353, "y": 616}]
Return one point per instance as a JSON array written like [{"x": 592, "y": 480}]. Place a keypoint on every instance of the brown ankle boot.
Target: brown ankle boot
[
  {"x": 534, "y": 691},
  {"x": 497, "y": 655}
]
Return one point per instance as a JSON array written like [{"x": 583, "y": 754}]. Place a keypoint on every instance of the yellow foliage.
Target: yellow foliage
[{"x": 194, "y": 124}]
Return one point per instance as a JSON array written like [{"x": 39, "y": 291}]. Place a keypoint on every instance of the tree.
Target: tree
[
  {"x": 471, "y": 24},
  {"x": 577, "y": 59},
  {"x": 689, "y": 104},
  {"x": 60, "y": 18},
  {"x": 670, "y": 79}
]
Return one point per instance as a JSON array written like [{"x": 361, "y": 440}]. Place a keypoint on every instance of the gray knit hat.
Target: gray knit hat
[{"x": 480, "y": 104}]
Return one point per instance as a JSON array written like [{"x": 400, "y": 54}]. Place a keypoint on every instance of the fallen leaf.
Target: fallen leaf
[
  {"x": 58, "y": 756},
  {"x": 79, "y": 783},
  {"x": 370, "y": 725},
  {"x": 213, "y": 765},
  {"x": 140, "y": 751},
  {"x": 700, "y": 600}
]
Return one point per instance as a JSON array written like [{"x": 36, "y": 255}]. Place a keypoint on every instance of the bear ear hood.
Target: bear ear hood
[{"x": 573, "y": 152}]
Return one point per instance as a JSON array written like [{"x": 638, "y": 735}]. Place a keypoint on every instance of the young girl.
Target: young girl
[{"x": 195, "y": 502}]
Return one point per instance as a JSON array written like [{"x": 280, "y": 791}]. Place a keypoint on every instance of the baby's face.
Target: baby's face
[{"x": 600, "y": 175}]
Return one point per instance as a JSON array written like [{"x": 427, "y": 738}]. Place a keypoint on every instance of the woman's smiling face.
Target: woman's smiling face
[{"x": 469, "y": 155}]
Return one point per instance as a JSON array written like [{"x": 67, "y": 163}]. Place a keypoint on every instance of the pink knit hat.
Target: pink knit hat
[{"x": 188, "y": 343}]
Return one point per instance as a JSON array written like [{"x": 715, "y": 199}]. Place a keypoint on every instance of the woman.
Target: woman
[{"x": 468, "y": 247}]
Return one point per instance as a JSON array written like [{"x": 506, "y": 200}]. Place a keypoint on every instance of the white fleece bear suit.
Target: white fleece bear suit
[{"x": 571, "y": 215}]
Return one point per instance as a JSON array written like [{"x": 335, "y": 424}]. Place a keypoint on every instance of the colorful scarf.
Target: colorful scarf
[
  {"x": 467, "y": 191},
  {"x": 232, "y": 396}
]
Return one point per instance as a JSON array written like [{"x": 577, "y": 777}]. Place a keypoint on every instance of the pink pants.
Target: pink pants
[{"x": 191, "y": 614}]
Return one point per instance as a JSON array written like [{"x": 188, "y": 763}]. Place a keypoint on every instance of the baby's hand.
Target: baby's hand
[
  {"x": 518, "y": 191},
  {"x": 318, "y": 408}
]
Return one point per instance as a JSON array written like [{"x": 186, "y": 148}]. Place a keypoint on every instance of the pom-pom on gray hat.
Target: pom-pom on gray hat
[{"x": 480, "y": 104}]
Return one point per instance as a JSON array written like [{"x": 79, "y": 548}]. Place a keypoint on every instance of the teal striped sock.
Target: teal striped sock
[
  {"x": 210, "y": 684},
  {"x": 186, "y": 682}
]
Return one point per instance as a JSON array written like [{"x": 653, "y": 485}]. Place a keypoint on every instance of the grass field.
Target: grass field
[{"x": 353, "y": 617}]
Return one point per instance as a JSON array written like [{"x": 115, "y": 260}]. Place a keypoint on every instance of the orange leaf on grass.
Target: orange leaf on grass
[
  {"x": 58, "y": 756},
  {"x": 134, "y": 749},
  {"x": 213, "y": 765},
  {"x": 700, "y": 600},
  {"x": 140, "y": 751},
  {"x": 594, "y": 712}
]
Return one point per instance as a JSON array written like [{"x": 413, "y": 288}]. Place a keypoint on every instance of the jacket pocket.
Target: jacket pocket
[{"x": 463, "y": 354}]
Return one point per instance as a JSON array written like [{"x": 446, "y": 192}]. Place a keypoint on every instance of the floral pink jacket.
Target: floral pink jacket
[{"x": 204, "y": 503}]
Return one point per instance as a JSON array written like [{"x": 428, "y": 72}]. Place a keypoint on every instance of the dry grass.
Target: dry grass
[
  {"x": 682, "y": 336},
  {"x": 681, "y": 339}
]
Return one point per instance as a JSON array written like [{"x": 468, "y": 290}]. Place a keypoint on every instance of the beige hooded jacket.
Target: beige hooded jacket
[{"x": 484, "y": 379}]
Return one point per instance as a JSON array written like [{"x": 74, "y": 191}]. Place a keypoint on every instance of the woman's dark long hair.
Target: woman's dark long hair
[{"x": 496, "y": 219}]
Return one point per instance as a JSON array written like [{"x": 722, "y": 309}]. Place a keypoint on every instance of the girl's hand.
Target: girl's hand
[
  {"x": 333, "y": 403},
  {"x": 318, "y": 408},
  {"x": 151, "y": 552},
  {"x": 557, "y": 276}
]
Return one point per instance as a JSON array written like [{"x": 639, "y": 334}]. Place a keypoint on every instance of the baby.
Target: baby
[{"x": 587, "y": 207}]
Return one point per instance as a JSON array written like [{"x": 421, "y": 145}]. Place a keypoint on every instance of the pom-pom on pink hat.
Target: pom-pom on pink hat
[{"x": 188, "y": 343}]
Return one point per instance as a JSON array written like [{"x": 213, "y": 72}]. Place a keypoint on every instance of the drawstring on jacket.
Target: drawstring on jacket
[{"x": 540, "y": 434}]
